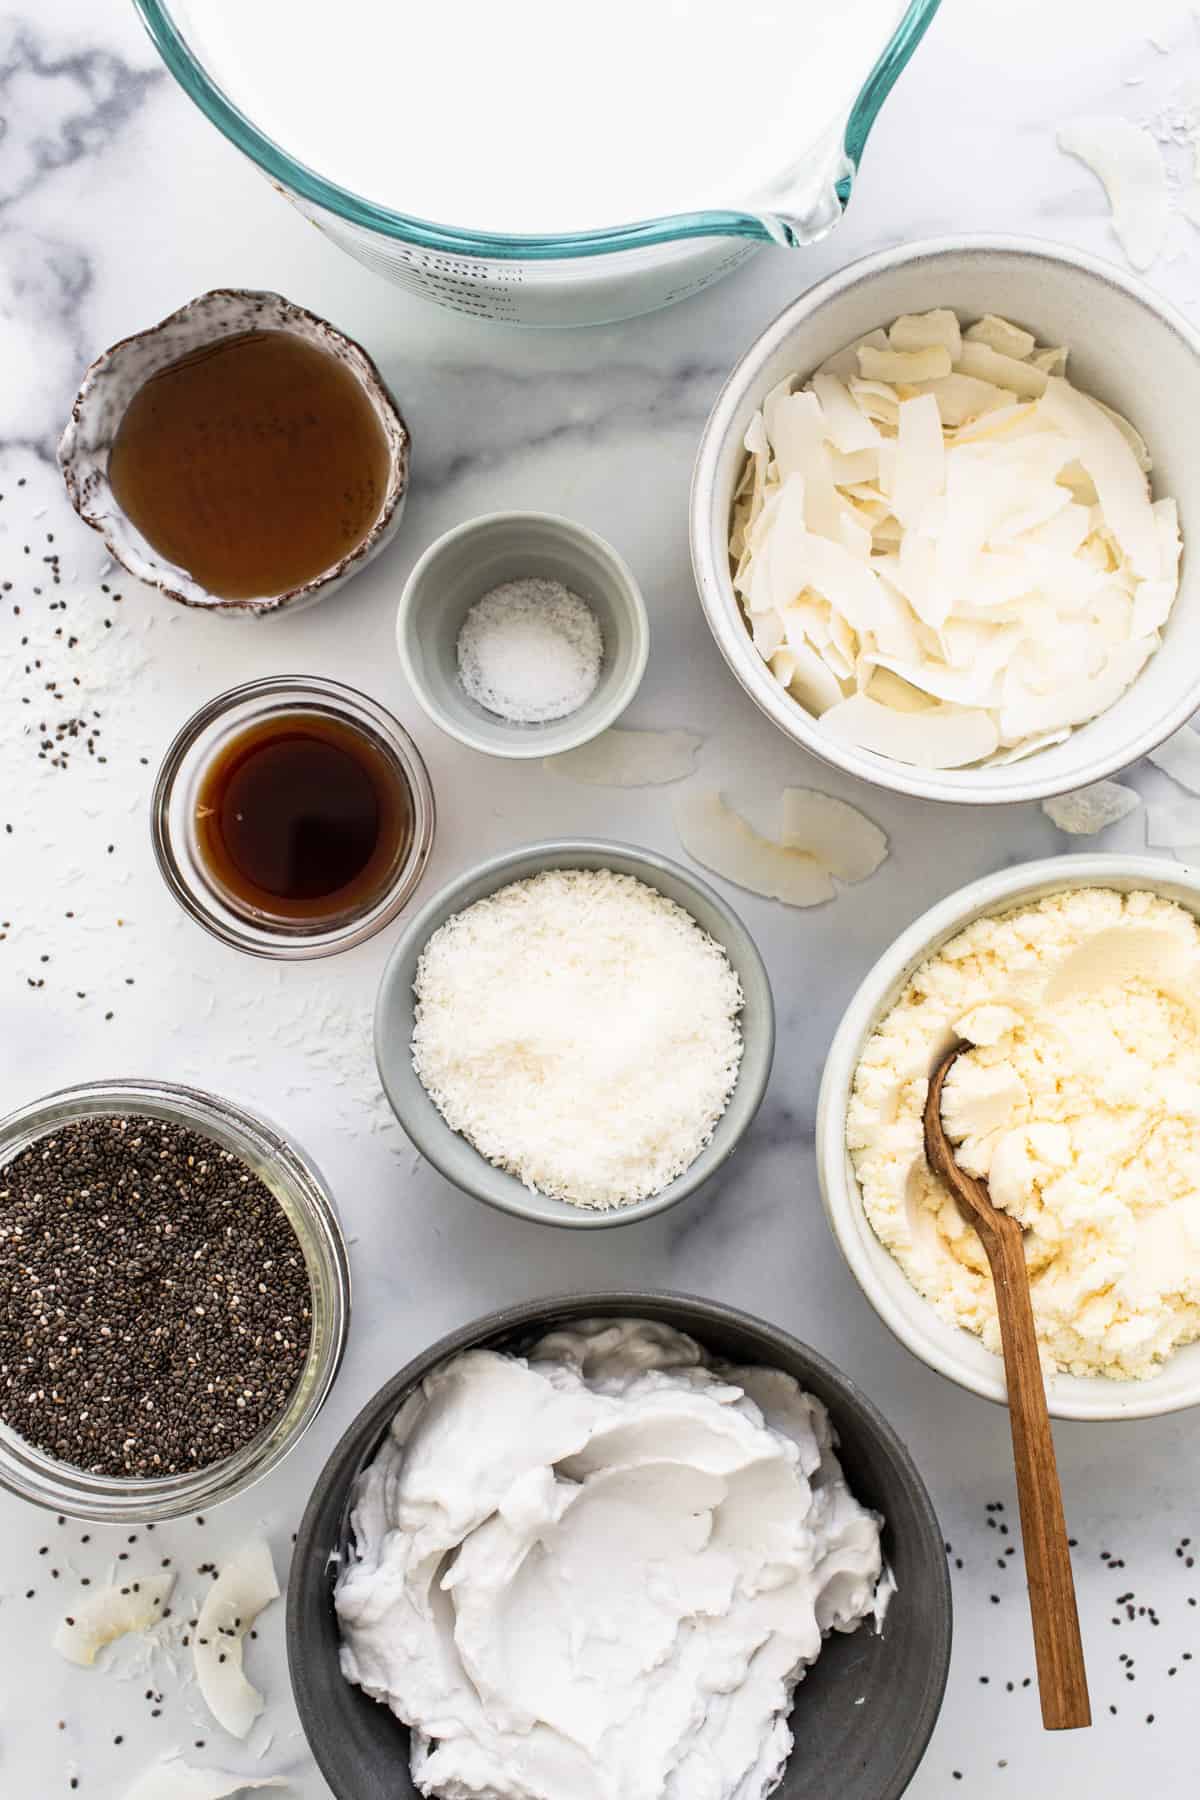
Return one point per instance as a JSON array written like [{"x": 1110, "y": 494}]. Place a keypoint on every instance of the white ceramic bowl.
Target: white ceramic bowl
[
  {"x": 466, "y": 563},
  {"x": 955, "y": 1353},
  {"x": 1128, "y": 347}
]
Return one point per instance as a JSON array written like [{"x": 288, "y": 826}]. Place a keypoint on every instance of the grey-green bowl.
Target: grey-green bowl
[
  {"x": 465, "y": 564},
  {"x": 449, "y": 1152},
  {"x": 865, "y": 1711}
]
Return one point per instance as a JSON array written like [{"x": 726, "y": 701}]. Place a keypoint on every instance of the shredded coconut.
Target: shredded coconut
[
  {"x": 530, "y": 651},
  {"x": 581, "y": 1031}
]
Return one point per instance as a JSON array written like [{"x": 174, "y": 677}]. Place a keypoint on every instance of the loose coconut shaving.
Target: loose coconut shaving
[
  {"x": 1174, "y": 825},
  {"x": 629, "y": 759},
  {"x": 1179, "y": 758},
  {"x": 174, "y": 1779},
  {"x": 244, "y": 1587},
  {"x": 1128, "y": 161},
  {"x": 108, "y": 1613},
  {"x": 944, "y": 550},
  {"x": 1091, "y": 809},
  {"x": 820, "y": 838}
]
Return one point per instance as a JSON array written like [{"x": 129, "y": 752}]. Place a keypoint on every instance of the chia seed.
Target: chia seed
[{"x": 155, "y": 1311}]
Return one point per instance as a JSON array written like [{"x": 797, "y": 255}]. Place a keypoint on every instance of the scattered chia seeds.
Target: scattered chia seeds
[{"x": 155, "y": 1311}]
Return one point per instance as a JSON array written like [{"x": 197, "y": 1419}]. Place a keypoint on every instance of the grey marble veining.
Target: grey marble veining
[{"x": 117, "y": 203}]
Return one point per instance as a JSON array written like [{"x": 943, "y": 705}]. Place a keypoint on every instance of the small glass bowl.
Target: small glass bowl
[
  {"x": 302, "y": 1194},
  {"x": 173, "y": 815}
]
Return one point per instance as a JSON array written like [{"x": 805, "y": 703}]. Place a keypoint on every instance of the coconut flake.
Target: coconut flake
[
  {"x": 850, "y": 845},
  {"x": 926, "y": 331},
  {"x": 629, "y": 759},
  {"x": 1129, "y": 163},
  {"x": 107, "y": 1613},
  {"x": 986, "y": 364},
  {"x": 849, "y": 431},
  {"x": 844, "y": 363},
  {"x": 716, "y": 836},
  {"x": 1091, "y": 809},
  {"x": 1002, "y": 336},
  {"x": 174, "y": 1779},
  {"x": 942, "y": 737},
  {"x": 1120, "y": 483},
  {"x": 920, "y": 471},
  {"x": 1029, "y": 747},
  {"x": 964, "y": 399},
  {"x": 244, "y": 1587},
  {"x": 903, "y": 365},
  {"x": 1076, "y": 701},
  {"x": 810, "y": 681},
  {"x": 1179, "y": 758},
  {"x": 1173, "y": 824}
]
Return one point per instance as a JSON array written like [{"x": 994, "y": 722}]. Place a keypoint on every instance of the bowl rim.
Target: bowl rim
[
  {"x": 519, "y": 743},
  {"x": 715, "y": 589},
  {"x": 1092, "y": 1398},
  {"x": 429, "y": 1133},
  {"x": 158, "y": 571},
  {"x": 505, "y": 1322}
]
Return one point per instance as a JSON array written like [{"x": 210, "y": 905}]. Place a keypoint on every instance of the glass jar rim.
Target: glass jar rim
[
  {"x": 297, "y": 178},
  {"x": 31, "y": 1473},
  {"x": 205, "y": 906}
]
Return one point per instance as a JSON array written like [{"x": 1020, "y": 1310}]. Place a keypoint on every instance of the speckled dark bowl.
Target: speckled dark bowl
[{"x": 863, "y": 1714}]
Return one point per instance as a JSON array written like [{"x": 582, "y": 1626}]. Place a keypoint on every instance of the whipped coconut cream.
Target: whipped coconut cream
[
  {"x": 599, "y": 1572},
  {"x": 1079, "y": 1104}
]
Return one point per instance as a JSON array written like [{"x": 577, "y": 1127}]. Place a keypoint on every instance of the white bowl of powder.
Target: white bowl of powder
[
  {"x": 522, "y": 634},
  {"x": 521, "y": 1080},
  {"x": 1038, "y": 969}
]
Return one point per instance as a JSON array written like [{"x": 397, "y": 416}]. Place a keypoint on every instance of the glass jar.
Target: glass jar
[
  {"x": 301, "y": 1193},
  {"x": 173, "y": 817}
]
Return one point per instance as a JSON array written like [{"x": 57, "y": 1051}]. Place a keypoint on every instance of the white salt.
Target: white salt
[{"x": 530, "y": 651}]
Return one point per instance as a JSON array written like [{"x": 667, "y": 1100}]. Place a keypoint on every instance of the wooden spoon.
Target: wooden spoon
[{"x": 1062, "y": 1678}]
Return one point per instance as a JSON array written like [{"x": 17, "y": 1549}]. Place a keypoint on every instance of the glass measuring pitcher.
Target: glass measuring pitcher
[{"x": 571, "y": 278}]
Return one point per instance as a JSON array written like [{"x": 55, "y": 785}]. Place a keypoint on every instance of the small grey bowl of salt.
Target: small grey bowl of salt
[{"x": 522, "y": 634}]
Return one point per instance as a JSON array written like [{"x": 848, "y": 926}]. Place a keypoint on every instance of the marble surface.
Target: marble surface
[{"x": 117, "y": 202}]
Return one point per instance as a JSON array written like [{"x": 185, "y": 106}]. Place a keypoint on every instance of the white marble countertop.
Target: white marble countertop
[{"x": 118, "y": 202}]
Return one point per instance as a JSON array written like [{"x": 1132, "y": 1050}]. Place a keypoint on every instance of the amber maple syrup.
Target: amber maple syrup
[
  {"x": 302, "y": 817},
  {"x": 255, "y": 463}
]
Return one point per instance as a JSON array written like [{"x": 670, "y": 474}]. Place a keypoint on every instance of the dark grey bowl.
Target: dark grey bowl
[
  {"x": 447, "y": 1150},
  {"x": 865, "y": 1711}
]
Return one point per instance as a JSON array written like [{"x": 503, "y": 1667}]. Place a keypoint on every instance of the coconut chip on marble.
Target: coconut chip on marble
[
  {"x": 629, "y": 759},
  {"x": 1091, "y": 809},
  {"x": 174, "y": 1779},
  {"x": 1179, "y": 758},
  {"x": 108, "y": 1613},
  {"x": 1128, "y": 161},
  {"x": 246, "y": 1584},
  {"x": 820, "y": 838}
]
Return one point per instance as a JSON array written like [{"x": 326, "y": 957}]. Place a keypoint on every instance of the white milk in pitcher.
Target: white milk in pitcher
[{"x": 531, "y": 117}]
